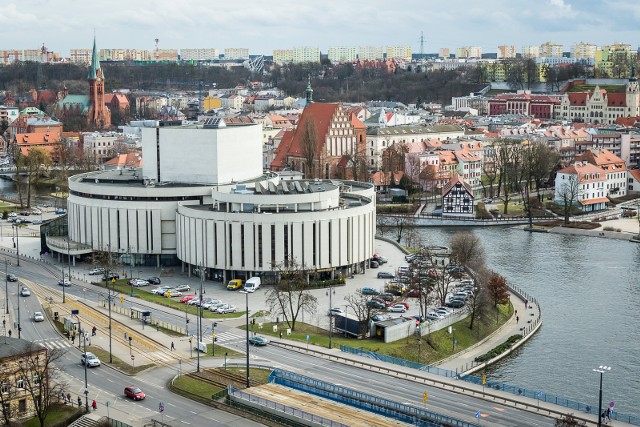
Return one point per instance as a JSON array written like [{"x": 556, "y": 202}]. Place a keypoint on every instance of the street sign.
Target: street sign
[
  {"x": 539, "y": 394},
  {"x": 113, "y": 280},
  {"x": 121, "y": 299},
  {"x": 133, "y": 356},
  {"x": 307, "y": 337},
  {"x": 76, "y": 312},
  {"x": 84, "y": 289},
  {"x": 455, "y": 341},
  {"x": 611, "y": 404}
]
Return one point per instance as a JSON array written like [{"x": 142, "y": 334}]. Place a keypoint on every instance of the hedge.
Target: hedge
[{"x": 499, "y": 349}]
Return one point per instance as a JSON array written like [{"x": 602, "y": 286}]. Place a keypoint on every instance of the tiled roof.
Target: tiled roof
[
  {"x": 453, "y": 181},
  {"x": 586, "y": 173},
  {"x": 593, "y": 201},
  {"x": 603, "y": 158},
  {"x": 635, "y": 173},
  {"x": 466, "y": 155},
  {"x": 617, "y": 99},
  {"x": 578, "y": 98}
]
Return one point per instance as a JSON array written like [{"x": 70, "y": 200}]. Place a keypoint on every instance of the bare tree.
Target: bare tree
[
  {"x": 358, "y": 303},
  {"x": 37, "y": 377},
  {"x": 467, "y": 249},
  {"x": 478, "y": 303},
  {"x": 569, "y": 192},
  {"x": 310, "y": 147},
  {"x": 569, "y": 420},
  {"x": 291, "y": 295},
  {"x": 37, "y": 161}
]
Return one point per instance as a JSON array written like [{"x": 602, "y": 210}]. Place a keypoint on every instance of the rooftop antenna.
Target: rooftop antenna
[{"x": 421, "y": 44}]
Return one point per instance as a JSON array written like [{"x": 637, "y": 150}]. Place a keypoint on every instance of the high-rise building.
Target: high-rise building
[
  {"x": 204, "y": 54},
  {"x": 469, "y": 52},
  {"x": 505, "y": 52},
  {"x": 282, "y": 56},
  {"x": 583, "y": 50},
  {"x": 444, "y": 52},
  {"x": 370, "y": 53},
  {"x": 530, "y": 52},
  {"x": 342, "y": 54},
  {"x": 306, "y": 54},
  {"x": 399, "y": 52},
  {"x": 236, "y": 53},
  {"x": 551, "y": 50}
]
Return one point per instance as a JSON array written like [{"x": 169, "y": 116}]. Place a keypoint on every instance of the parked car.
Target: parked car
[
  {"x": 60, "y": 211},
  {"x": 160, "y": 290},
  {"x": 154, "y": 280},
  {"x": 38, "y": 316},
  {"x": 111, "y": 276},
  {"x": 195, "y": 301},
  {"x": 12, "y": 277},
  {"x": 134, "y": 393},
  {"x": 226, "y": 308},
  {"x": 336, "y": 311},
  {"x": 432, "y": 315},
  {"x": 386, "y": 275},
  {"x": 25, "y": 292},
  {"x": 89, "y": 359},
  {"x": 442, "y": 312},
  {"x": 397, "y": 308},
  {"x": 380, "y": 317},
  {"x": 170, "y": 293},
  {"x": 374, "y": 264},
  {"x": 369, "y": 291},
  {"x": 207, "y": 303},
  {"x": 138, "y": 283},
  {"x": 258, "y": 340},
  {"x": 414, "y": 293},
  {"x": 64, "y": 282},
  {"x": 183, "y": 288},
  {"x": 13, "y": 215},
  {"x": 96, "y": 270},
  {"x": 455, "y": 303},
  {"x": 187, "y": 298},
  {"x": 386, "y": 297},
  {"x": 36, "y": 212},
  {"x": 406, "y": 304},
  {"x": 379, "y": 259},
  {"x": 234, "y": 284},
  {"x": 25, "y": 213},
  {"x": 372, "y": 303}
]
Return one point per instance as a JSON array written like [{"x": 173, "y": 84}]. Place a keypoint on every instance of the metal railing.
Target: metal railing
[{"x": 399, "y": 411}]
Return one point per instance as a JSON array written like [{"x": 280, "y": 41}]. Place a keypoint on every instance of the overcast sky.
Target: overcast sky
[{"x": 263, "y": 25}]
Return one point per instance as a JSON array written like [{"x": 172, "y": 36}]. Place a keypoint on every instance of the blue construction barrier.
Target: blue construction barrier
[{"x": 368, "y": 402}]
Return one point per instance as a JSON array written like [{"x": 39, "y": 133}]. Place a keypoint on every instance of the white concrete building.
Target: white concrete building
[
  {"x": 306, "y": 54},
  {"x": 236, "y": 53},
  {"x": 342, "y": 54},
  {"x": 204, "y": 54},
  {"x": 101, "y": 145},
  {"x": 370, "y": 53},
  {"x": 202, "y": 199}
]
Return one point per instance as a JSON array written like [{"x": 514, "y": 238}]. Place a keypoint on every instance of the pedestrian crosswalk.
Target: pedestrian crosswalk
[
  {"x": 55, "y": 343},
  {"x": 223, "y": 337}
]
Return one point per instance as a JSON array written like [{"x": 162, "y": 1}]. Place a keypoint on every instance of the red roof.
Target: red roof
[
  {"x": 593, "y": 201},
  {"x": 578, "y": 98},
  {"x": 453, "y": 181},
  {"x": 357, "y": 124},
  {"x": 617, "y": 99}
]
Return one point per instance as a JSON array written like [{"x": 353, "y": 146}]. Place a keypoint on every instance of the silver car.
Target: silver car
[{"x": 89, "y": 359}]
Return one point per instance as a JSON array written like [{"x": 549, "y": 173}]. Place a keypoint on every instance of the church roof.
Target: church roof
[
  {"x": 70, "y": 101},
  {"x": 95, "y": 62}
]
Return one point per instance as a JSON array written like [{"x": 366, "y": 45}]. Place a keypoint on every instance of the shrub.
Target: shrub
[{"x": 496, "y": 351}]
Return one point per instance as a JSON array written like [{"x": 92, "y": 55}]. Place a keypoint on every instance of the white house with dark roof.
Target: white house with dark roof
[{"x": 457, "y": 198}]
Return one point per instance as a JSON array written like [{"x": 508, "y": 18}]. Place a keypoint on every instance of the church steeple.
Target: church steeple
[
  {"x": 95, "y": 62},
  {"x": 309, "y": 91},
  {"x": 98, "y": 115}
]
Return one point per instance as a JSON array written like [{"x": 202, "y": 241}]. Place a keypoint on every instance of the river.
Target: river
[
  {"x": 589, "y": 293},
  {"x": 41, "y": 195}
]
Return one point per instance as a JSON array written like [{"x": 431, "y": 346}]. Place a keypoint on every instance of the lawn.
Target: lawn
[
  {"x": 194, "y": 386},
  {"x": 57, "y": 414},
  {"x": 119, "y": 364},
  {"x": 428, "y": 349},
  {"x": 259, "y": 375}
]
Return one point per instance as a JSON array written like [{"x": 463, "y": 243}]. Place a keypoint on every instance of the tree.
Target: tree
[
  {"x": 37, "y": 161},
  {"x": 291, "y": 295},
  {"x": 310, "y": 147},
  {"x": 497, "y": 289},
  {"x": 397, "y": 225},
  {"x": 478, "y": 303},
  {"x": 568, "y": 192},
  {"x": 37, "y": 377},
  {"x": 569, "y": 420},
  {"x": 467, "y": 250},
  {"x": 358, "y": 304}
]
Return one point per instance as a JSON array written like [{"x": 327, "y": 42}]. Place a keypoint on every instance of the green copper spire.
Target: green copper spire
[
  {"x": 95, "y": 61},
  {"x": 309, "y": 91}
]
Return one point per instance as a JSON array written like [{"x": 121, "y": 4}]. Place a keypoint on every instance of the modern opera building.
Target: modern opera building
[{"x": 202, "y": 199}]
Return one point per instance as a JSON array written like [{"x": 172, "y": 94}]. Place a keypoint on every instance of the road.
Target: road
[{"x": 106, "y": 385}]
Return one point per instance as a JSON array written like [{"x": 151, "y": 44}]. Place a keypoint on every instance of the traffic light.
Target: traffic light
[
  {"x": 484, "y": 379},
  {"x": 425, "y": 396},
  {"x": 121, "y": 299},
  {"x": 187, "y": 321},
  {"x": 215, "y": 339}
]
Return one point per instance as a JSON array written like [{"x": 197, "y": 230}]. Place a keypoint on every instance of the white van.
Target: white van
[{"x": 252, "y": 284}]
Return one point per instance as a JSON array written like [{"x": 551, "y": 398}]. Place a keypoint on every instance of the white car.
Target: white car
[
  {"x": 38, "y": 316},
  {"x": 139, "y": 283},
  {"x": 89, "y": 359},
  {"x": 195, "y": 301},
  {"x": 25, "y": 292},
  {"x": 13, "y": 215},
  {"x": 432, "y": 315},
  {"x": 170, "y": 293},
  {"x": 160, "y": 290},
  {"x": 397, "y": 308},
  {"x": 336, "y": 311},
  {"x": 96, "y": 270},
  {"x": 210, "y": 302},
  {"x": 183, "y": 288},
  {"x": 226, "y": 308}
]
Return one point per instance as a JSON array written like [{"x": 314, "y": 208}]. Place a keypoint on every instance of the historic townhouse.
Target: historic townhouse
[
  {"x": 457, "y": 198},
  {"x": 614, "y": 168},
  {"x": 586, "y": 182}
]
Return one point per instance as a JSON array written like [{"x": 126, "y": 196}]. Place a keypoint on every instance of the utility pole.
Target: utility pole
[
  {"x": 6, "y": 286},
  {"x": 69, "y": 252},
  {"x": 17, "y": 246},
  {"x": 64, "y": 298}
]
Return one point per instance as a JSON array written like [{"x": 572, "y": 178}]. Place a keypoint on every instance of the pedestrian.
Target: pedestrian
[
  {"x": 526, "y": 303},
  {"x": 607, "y": 414},
  {"x": 93, "y": 331},
  {"x": 157, "y": 326},
  {"x": 173, "y": 347},
  {"x": 73, "y": 338},
  {"x": 79, "y": 402},
  {"x": 516, "y": 312},
  {"x": 94, "y": 405},
  {"x": 280, "y": 334},
  {"x": 69, "y": 399},
  {"x": 62, "y": 396},
  {"x": 517, "y": 319},
  {"x": 9, "y": 333}
]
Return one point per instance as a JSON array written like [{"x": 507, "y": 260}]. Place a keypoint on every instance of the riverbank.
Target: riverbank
[{"x": 617, "y": 229}]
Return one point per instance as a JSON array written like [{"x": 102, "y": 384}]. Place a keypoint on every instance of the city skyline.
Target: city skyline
[{"x": 290, "y": 23}]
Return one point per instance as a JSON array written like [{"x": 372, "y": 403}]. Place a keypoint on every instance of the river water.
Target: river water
[
  {"x": 40, "y": 195},
  {"x": 589, "y": 293}
]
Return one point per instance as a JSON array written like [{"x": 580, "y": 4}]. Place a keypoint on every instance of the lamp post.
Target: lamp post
[
  {"x": 19, "y": 327},
  {"x": 17, "y": 245},
  {"x": 64, "y": 297},
  {"x": 69, "y": 254},
  {"x": 330, "y": 293},
  {"x": 199, "y": 324},
  {"x": 601, "y": 370},
  {"x": 86, "y": 387},
  {"x": 6, "y": 286},
  {"x": 246, "y": 295}
]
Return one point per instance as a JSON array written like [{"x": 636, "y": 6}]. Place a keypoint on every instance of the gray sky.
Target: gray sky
[{"x": 263, "y": 26}]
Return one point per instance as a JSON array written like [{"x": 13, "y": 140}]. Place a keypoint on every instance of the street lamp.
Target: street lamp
[
  {"x": 330, "y": 293},
  {"x": 64, "y": 297},
  {"x": 6, "y": 286},
  {"x": 68, "y": 254},
  {"x": 17, "y": 244},
  {"x": 601, "y": 370},
  {"x": 86, "y": 387},
  {"x": 246, "y": 295}
]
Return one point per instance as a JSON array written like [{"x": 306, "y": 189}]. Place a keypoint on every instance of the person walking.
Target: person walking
[
  {"x": 607, "y": 415},
  {"x": 79, "y": 401},
  {"x": 69, "y": 399},
  {"x": 94, "y": 405},
  {"x": 526, "y": 303},
  {"x": 93, "y": 331},
  {"x": 173, "y": 347},
  {"x": 517, "y": 319},
  {"x": 73, "y": 338}
]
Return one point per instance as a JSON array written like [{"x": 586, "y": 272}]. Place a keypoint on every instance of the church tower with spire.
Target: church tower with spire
[
  {"x": 98, "y": 116},
  {"x": 632, "y": 89},
  {"x": 309, "y": 91}
]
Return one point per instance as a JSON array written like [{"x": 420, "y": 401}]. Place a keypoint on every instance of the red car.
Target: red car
[
  {"x": 134, "y": 393},
  {"x": 187, "y": 298}
]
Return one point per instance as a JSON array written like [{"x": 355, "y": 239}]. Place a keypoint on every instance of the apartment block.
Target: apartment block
[
  {"x": 306, "y": 54},
  {"x": 399, "y": 52},
  {"x": 444, "y": 52},
  {"x": 370, "y": 53},
  {"x": 13, "y": 55},
  {"x": 343, "y": 54},
  {"x": 468, "y": 52},
  {"x": 204, "y": 54},
  {"x": 583, "y": 51},
  {"x": 551, "y": 50},
  {"x": 165, "y": 54},
  {"x": 282, "y": 56},
  {"x": 530, "y": 51},
  {"x": 236, "y": 53},
  {"x": 505, "y": 52}
]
